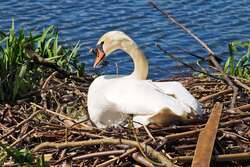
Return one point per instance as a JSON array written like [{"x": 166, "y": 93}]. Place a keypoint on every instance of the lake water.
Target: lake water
[{"x": 217, "y": 22}]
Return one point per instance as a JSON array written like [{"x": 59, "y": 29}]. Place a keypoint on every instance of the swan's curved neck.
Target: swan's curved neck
[{"x": 139, "y": 60}]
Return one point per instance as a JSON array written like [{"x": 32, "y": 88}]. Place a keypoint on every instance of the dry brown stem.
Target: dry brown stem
[
  {"x": 20, "y": 124},
  {"x": 211, "y": 56},
  {"x": 219, "y": 158},
  {"x": 146, "y": 148},
  {"x": 223, "y": 92}
]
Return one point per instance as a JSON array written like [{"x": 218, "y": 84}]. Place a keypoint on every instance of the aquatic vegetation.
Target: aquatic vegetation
[
  {"x": 237, "y": 63},
  {"x": 25, "y": 59}
]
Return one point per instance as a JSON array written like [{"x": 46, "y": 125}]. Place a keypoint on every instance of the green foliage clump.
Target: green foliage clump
[
  {"x": 21, "y": 157},
  {"x": 19, "y": 73},
  {"x": 237, "y": 63}
]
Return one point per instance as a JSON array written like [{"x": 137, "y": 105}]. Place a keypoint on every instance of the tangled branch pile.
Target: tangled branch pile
[
  {"x": 49, "y": 126},
  {"x": 56, "y": 126}
]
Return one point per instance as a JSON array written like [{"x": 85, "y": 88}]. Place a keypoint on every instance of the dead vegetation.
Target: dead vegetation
[
  {"x": 56, "y": 125},
  {"x": 53, "y": 122}
]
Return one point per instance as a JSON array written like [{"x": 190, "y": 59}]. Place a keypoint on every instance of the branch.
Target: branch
[
  {"x": 211, "y": 56},
  {"x": 20, "y": 124},
  {"x": 58, "y": 114},
  {"x": 208, "y": 97},
  {"x": 146, "y": 148},
  {"x": 51, "y": 64},
  {"x": 182, "y": 27},
  {"x": 219, "y": 158},
  {"x": 185, "y": 64}
]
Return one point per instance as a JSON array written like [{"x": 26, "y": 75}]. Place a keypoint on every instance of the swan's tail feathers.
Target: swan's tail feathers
[{"x": 165, "y": 117}]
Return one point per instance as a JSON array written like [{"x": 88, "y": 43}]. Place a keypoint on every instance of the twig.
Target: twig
[
  {"x": 211, "y": 56},
  {"x": 223, "y": 92},
  {"x": 20, "y": 124},
  {"x": 190, "y": 53},
  {"x": 57, "y": 114},
  {"x": 182, "y": 26},
  {"x": 43, "y": 94},
  {"x": 106, "y": 163},
  {"x": 51, "y": 112},
  {"x": 239, "y": 83},
  {"x": 185, "y": 64},
  {"x": 245, "y": 107},
  {"x": 51, "y": 64},
  {"x": 233, "y": 122},
  {"x": 99, "y": 154},
  {"x": 177, "y": 136},
  {"x": 149, "y": 133},
  {"x": 182, "y": 134},
  {"x": 23, "y": 137},
  {"x": 139, "y": 158},
  {"x": 48, "y": 79},
  {"x": 219, "y": 158},
  {"x": 205, "y": 143},
  {"x": 234, "y": 134},
  {"x": 146, "y": 148}
]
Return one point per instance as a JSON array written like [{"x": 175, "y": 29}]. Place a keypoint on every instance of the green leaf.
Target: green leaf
[
  {"x": 19, "y": 80},
  {"x": 55, "y": 45},
  {"x": 74, "y": 51},
  {"x": 47, "y": 47},
  {"x": 12, "y": 31},
  {"x": 46, "y": 32}
]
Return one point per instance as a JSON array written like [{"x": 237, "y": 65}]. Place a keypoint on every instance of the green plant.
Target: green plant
[
  {"x": 237, "y": 63},
  {"x": 22, "y": 157},
  {"x": 19, "y": 73}
]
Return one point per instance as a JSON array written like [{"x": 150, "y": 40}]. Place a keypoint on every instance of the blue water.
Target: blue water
[{"x": 217, "y": 22}]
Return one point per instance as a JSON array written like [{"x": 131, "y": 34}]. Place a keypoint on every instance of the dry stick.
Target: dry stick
[
  {"x": 183, "y": 27},
  {"x": 106, "y": 163},
  {"x": 52, "y": 112},
  {"x": 23, "y": 137},
  {"x": 177, "y": 136},
  {"x": 233, "y": 122},
  {"x": 52, "y": 64},
  {"x": 57, "y": 114},
  {"x": 219, "y": 158},
  {"x": 238, "y": 82},
  {"x": 193, "y": 132},
  {"x": 43, "y": 94},
  {"x": 211, "y": 56},
  {"x": 20, "y": 124},
  {"x": 146, "y": 148},
  {"x": 149, "y": 133},
  {"x": 185, "y": 64},
  {"x": 223, "y": 92},
  {"x": 205, "y": 143},
  {"x": 243, "y": 107},
  {"x": 182, "y": 134},
  {"x": 190, "y": 53},
  {"x": 139, "y": 158},
  {"x": 99, "y": 154}
]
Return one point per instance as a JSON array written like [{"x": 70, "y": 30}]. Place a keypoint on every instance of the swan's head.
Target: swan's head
[{"x": 108, "y": 43}]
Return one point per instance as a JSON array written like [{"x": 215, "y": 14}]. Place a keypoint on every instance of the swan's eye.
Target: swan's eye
[{"x": 100, "y": 46}]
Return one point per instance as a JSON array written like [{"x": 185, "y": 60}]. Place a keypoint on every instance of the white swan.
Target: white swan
[{"x": 111, "y": 98}]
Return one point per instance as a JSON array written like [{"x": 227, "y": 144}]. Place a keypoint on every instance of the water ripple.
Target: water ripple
[{"x": 217, "y": 22}]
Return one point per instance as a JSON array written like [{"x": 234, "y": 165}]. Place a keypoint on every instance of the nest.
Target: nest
[{"x": 53, "y": 122}]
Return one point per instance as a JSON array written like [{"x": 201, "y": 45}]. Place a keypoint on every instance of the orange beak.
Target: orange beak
[{"x": 99, "y": 57}]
